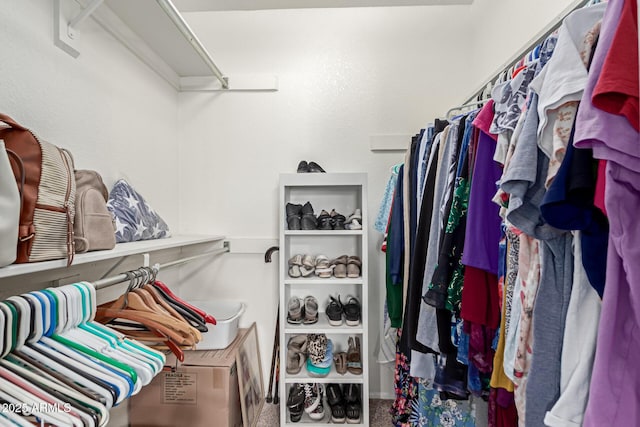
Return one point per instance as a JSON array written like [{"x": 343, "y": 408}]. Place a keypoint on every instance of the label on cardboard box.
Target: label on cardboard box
[{"x": 180, "y": 387}]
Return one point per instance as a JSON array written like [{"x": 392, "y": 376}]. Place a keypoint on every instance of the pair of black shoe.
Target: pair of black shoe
[
  {"x": 331, "y": 221},
  {"x": 311, "y": 167},
  {"x": 345, "y": 403},
  {"x": 301, "y": 217}
]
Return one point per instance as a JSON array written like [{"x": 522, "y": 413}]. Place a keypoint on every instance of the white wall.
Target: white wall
[
  {"x": 344, "y": 74},
  {"x": 111, "y": 111}
]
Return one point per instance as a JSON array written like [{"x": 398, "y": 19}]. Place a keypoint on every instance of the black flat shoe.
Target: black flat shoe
[
  {"x": 314, "y": 167},
  {"x": 303, "y": 167}
]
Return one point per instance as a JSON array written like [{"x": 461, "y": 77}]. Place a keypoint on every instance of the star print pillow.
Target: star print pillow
[{"x": 135, "y": 218}]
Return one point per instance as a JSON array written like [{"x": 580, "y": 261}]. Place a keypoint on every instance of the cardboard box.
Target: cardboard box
[{"x": 201, "y": 391}]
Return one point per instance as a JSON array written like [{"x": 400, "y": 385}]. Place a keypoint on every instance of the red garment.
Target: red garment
[
  {"x": 616, "y": 91},
  {"x": 480, "y": 299},
  {"x": 598, "y": 200},
  {"x": 502, "y": 410}
]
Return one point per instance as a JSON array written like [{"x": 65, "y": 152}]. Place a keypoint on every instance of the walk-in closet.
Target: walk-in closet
[{"x": 261, "y": 213}]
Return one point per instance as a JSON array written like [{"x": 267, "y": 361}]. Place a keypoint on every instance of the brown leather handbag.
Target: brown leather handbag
[{"x": 47, "y": 191}]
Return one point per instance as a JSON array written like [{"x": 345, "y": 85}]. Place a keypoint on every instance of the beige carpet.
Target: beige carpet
[{"x": 378, "y": 414}]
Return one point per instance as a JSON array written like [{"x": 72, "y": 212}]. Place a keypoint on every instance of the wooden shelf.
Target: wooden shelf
[{"x": 121, "y": 250}]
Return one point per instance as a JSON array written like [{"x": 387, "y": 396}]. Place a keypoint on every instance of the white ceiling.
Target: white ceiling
[{"x": 219, "y": 5}]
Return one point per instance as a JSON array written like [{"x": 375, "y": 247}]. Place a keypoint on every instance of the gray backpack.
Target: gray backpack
[{"x": 94, "y": 226}]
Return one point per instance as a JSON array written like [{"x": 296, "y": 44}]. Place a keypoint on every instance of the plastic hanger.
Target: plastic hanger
[
  {"x": 86, "y": 409},
  {"x": 98, "y": 342},
  {"x": 65, "y": 355},
  {"x": 89, "y": 293},
  {"x": 87, "y": 351},
  {"x": 209, "y": 318},
  {"x": 33, "y": 354},
  {"x": 8, "y": 380}
]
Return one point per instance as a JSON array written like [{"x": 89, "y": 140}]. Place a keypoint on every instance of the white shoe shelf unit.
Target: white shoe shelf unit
[{"x": 344, "y": 192}]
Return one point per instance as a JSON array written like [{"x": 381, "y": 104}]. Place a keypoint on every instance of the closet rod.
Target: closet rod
[
  {"x": 173, "y": 14},
  {"x": 120, "y": 278},
  {"x": 531, "y": 44}
]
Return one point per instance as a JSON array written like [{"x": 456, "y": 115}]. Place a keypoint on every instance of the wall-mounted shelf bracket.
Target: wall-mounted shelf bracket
[{"x": 81, "y": 16}]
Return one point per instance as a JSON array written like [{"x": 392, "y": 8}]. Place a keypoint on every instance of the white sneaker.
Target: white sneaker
[
  {"x": 312, "y": 397},
  {"x": 318, "y": 413},
  {"x": 357, "y": 214},
  {"x": 354, "y": 225}
]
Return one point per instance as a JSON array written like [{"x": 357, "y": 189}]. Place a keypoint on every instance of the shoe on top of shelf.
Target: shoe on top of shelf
[
  {"x": 315, "y": 168},
  {"x": 311, "y": 167},
  {"x": 334, "y": 311},
  {"x": 303, "y": 167},
  {"x": 295, "y": 402}
]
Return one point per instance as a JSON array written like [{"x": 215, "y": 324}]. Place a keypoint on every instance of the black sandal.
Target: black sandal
[{"x": 336, "y": 403}]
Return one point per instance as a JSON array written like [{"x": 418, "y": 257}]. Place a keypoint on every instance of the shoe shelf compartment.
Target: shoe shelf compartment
[
  {"x": 326, "y": 420},
  {"x": 344, "y": 193}
]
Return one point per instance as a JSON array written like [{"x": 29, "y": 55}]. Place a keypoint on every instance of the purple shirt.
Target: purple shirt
[
  {"x": 483, "y": 220},
  {"x": 610, "y": 135}
]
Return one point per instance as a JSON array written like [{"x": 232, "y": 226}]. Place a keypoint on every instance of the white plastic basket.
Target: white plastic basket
[{"x": 227, "y": 315}]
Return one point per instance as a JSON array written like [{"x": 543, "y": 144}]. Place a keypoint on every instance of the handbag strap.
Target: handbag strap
[
  {"x": 23, "y": 174},
  {"x": 9, "y": 121}
]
